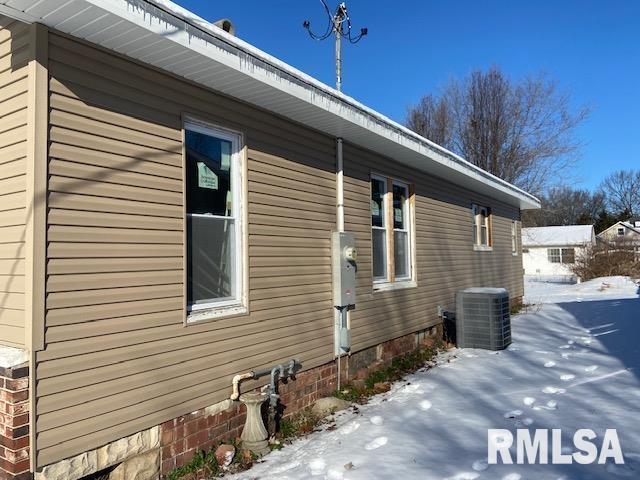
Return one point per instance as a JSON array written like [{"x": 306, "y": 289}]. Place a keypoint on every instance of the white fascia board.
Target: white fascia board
[{"x": 308, "y": 101}]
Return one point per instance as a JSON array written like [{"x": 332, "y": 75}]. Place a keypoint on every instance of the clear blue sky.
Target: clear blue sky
[{"x": 591, "y": 48}]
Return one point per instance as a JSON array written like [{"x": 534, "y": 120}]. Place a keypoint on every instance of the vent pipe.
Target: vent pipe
[{"x": 226, "y": 25}]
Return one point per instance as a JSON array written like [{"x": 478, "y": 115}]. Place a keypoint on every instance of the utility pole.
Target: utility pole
[
  {"x": 339, "y": 25},
  {"x": 338, "y": 22},
  {"x": 336, "y": 26}
]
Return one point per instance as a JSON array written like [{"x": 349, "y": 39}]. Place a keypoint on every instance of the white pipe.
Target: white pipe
[
  {"x": 236, "y": 380},
  {"x": 340, "y": 228},
  {"x": 339, "y": 187}
]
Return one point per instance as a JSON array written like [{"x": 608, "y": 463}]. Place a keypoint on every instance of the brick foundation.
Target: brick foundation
[
  {"x": 175, "y": 442},
  {"x": 14, "y": 423},
  {"x": 182, "y": 437}
]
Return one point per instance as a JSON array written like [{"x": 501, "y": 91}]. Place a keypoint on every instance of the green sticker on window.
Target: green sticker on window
[
  {"x": 206, "y": 178},
  {"x": 375, "y": 208}
]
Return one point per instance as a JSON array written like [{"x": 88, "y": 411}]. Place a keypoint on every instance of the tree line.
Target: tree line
[
  {"x": 616, "y": 199},
  {"x": 525, "y": 132}
]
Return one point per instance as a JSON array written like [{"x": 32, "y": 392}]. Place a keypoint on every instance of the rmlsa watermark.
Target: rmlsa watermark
[{"x": 545, "y": 446}]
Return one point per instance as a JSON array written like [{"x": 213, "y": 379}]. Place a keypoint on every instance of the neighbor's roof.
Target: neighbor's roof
[
  {"x": 557, "y": 236},
  {"x": 627, "y": 224},
  {"x": 631, "y": 226},
  {"x": 166, "y": 36}
]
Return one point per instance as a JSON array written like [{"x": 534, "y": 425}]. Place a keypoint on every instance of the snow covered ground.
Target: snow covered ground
[{"x": 574, "y": 363}]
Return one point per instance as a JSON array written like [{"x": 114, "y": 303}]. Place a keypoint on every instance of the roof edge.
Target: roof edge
[{"x": 196, "y": 21}]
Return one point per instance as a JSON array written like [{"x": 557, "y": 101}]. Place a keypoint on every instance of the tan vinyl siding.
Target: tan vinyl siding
[
  {"x": 14, "y": 55},
  {"x": 118, "y": 357},
  {"x": 445, "y": 259}
]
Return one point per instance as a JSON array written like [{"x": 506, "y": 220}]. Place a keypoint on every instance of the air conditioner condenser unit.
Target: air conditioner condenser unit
[{"x": 483, "y": 318}]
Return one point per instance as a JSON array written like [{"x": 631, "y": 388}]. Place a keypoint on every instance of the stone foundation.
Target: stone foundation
[
  {"x": 14, "y": 422},
  {"x": 138, "y": 455}
]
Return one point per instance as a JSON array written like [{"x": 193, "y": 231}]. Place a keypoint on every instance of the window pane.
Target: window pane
[
  {"x": 379, "y": 257},
  {"x": 401, "y": 254},
  {"x": 208, "y": 174},
  {"x": 553, "y": 254},
  {"x": 484, "y": 240},
  {"x": 378, "y": 190},
  {"x": 210, "y": 259},
  {"x": 399, "y": 207},
  {"x": 568, "y": 255}
]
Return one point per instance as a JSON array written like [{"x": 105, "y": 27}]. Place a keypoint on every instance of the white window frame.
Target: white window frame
[
  {"x": 559, "y": 255},
  {"x": 514, "y": 238},
  {"x": 477, "y": 216},
  {"x": 407, "y": 230},
  {"x": 385, "y": 279},
  {"x": 237, "y": 305},
  {"x": 390, "y": 282}
]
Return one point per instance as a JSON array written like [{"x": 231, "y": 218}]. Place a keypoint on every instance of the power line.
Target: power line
[{"x": 336, "y": 26}]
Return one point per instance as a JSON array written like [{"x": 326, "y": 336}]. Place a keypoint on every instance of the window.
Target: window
[
  {"x": 214, "y": 222},
  {"x": 378, "y": 226},
  {"x": 514, "y": 237},
  {"x": 620, "y": 231},
  {"x": 553, "y": 254},
  {"x": 391, "y": 227},
  {"x": 568, "y": 255},
  {"x": 525, "y": 250},
  {"x": 561, "y": 255},
  {"x": 481, "y": 217},
  {"x": 401, "y": 231}
]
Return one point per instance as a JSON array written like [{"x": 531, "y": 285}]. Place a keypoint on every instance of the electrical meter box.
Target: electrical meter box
[{"x": 344, "y": 257}]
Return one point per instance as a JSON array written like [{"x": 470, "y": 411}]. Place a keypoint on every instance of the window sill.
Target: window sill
[
  {"x": 482, "y": 248},
  {"x": 400, "y": 285},
  {"x": 215, "y": 313}
]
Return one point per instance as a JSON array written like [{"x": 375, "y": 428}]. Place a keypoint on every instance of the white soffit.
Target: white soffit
[{"x": 162, "y": 34}]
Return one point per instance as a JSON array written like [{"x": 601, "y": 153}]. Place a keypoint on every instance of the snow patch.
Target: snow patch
[{"x": 376, "y": 443}]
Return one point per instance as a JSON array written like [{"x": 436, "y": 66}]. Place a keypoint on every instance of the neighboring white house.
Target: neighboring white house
[
  {"x": 623, "y": 234},
  {"x": 550, "y": 251}
]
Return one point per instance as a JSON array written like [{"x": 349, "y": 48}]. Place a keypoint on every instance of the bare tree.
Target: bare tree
[
  {"x": 566, "y": 206},
  {"x": 522, "y": 132},
  {"x": 607, "y": 259},
  {"x": 622, "y": 191},
  {"x": 432, "y": 119}
]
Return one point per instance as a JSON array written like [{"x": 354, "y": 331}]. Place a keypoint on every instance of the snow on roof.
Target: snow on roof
[
  {"x": 169, "y": 37},
  {"x": 564, "y": 235}
]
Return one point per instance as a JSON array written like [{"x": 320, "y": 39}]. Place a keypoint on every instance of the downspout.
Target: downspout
[
  {"x": 340, "y": 227},
  {"x": 339, "y": 186}
]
